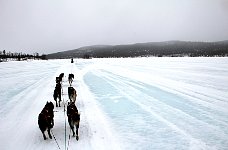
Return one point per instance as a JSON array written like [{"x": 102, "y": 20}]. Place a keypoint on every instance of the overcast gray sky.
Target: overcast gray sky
[{"x": 47, "y": 26}]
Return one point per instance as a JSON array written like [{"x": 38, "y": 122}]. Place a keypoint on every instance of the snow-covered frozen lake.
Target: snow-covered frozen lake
[{"x": 131, "y": 103}]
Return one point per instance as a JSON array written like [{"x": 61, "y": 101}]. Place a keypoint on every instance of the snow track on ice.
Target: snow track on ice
[
  {"x": 185, "y": 114},
  {"x": 140, "y": 103},
  {"x": 19, "y": 128}
]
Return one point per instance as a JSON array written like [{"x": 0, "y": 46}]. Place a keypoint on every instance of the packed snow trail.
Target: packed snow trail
[
  {"x": 19, "y": 116},
  {"x": 140, "y": 103}
]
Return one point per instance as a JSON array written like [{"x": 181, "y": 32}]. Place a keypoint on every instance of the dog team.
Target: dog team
[{"x": 46, "y": 117}]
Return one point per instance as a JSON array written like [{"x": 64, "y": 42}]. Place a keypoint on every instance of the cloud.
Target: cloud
[{"x": 49, "y": 25}]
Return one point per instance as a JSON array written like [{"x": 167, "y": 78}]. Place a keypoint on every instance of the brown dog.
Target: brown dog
[
  {"x": 72, "y": 94},
  {"x": 73, "y": 118},
  {"x": 46, "y": 119}
]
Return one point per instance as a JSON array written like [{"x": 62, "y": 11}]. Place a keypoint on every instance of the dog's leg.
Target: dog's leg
[
  {"x": 56, "y": 103},
  {"x": 77, "y": 126},
  {"x": 49, "y": 133},
  {"x": 59, "y": 99},
  {"x": 44, "y": 135},
  {"x": 72, "y": 128},
  {"x": 71, "y": 124},
  {"x": 60, "y": 96}
]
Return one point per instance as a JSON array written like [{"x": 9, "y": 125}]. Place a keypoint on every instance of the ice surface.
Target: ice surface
[{"x": 137, "y": 103}]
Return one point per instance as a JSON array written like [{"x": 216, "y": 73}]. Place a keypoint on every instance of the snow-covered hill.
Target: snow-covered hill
[{"x": 137, "y": 103}]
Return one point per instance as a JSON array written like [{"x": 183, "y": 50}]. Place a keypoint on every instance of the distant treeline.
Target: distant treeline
[
  {"x": 157, "y": 49},
  {"x": 5, "y": 56}
]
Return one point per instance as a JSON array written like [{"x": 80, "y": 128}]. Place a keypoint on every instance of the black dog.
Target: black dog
[
  {"x": 57, "y": 93},
  {"x": 73, "y": 118},
  {"x": 57, "y": 80},
  {"x": 46, "y": 119},
  {"x": 61, "y": 77},
  {"x": 70, "y": 78}
]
